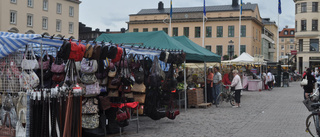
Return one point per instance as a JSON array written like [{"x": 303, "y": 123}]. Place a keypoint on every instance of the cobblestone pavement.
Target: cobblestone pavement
[{"x": 276, "y": 113}]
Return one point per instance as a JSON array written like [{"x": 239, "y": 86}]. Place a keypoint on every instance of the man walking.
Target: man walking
[
  {"x": 270, "y": 80},
  {"x": 216, "y": 85}
]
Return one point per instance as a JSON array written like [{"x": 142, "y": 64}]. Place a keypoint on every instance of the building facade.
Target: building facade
[
  {"x": 287, "y": 42},
  {"x": 86, "y": 33},
  {"x": 221, "y": 26},
  {"x": 269, "y": 38},
  {"x": 58, "y": 17},
  {"x": 307, "y": 34}
]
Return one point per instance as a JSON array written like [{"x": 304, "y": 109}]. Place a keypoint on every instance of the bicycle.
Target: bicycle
[
  {"x": 226, "y": 95},
  {"x": 313, "y": 105}
]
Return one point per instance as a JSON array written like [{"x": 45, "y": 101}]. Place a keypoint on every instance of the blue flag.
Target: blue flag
[
  {"x": 240, "y": 7},
  {"x": 204, "y": 8},
  {"x": 279, "y": 7},
  {"x": 171, "y": 9}
]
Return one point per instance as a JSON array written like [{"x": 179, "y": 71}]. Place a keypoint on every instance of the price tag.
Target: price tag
[{"x": 11, "y": 63}]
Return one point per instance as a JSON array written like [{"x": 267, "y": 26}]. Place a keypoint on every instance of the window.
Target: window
[
  {"x": 314, "y": 6},
  {"x": 303, "y": 7},
  {"x": 282, "y": 40},
  {"x": 58, "y": 25},
  {"x": 282, "y": 47},
  {"x": 70, "y": 27},
  {"x": 165, "y": 30},
  {"x": 230, "y": 50},
  {"x": 208, "y": 47},
  {"x": 314, "y": 25},
  {"x": 291, "y": 32},
  {"x": 175, "y": 31},
  {"x": 219, "y": 31},
  {"x": 291, "y": 46},
  {"x": 45, "y": 4},
  {"x": 13, "y": 1},
  {"x": 29, "y": 20},
  {"x": 13, "y": 17},
  {"x": 155, "y": 29},
  {"x": 243, "y": 30},
  {"x": 296, "y": 9},
  {"x": 30, "y": 3},
  {"x": 303, "y": 25},
  {"x": 291, "y": 40},
  {"x": 256, "y": 34},
  {"x": 44, "y": 23},
  {"x": 296, "y": 26},
  {"x": 71, "y": 11},
  {"x": 186, "y": 31},
  {"x": 197, "y": 32},
  {"x": 282, "y": 54},
  {"x": 300, "y": 44},
  {"x": 314, "y": 45},
  {"x": 208, "y": 31},
  {"x": 59, "y": 8},
  {"x": 242, "y": 49},
  {"x": 145, "y": 29},
  {"x": 230, "y": 31},
  {"x": 135, "y": 30},
  {"x": 285, "y": 32},
  {"x": 219, "y": 50}
]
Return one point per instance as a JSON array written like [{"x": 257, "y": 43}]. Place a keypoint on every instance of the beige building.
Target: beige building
[
  {"x": 221, "y": 27},
  {"x": 269, "y": 40},
  {"x": 54, "y": 17},
  {"x": 307, "y": 34},
  {"x": 287, "y": 42}
]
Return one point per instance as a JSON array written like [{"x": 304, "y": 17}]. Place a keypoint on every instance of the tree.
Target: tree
[
  {"x": 235, "y": 56},
  {"x": 226, "y": 57}
]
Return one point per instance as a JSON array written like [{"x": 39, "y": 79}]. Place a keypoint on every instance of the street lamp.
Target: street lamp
[{"x": 230, "y": 48}]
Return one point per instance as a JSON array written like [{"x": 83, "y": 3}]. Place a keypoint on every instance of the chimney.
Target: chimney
[
  {"x": 287, "y": 26},
  {"x": 123, "y": 30},
  {"x": 107, "y": 30},
  {"x": 235, "y": 3},
  {"x": 160, "y": 5},
  {"x": 97, "y": 30}
]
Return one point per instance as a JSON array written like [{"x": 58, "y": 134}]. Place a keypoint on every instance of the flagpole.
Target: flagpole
[
  {"x": 203, "y": 31},
  {"x": 170, "y": 33},
  {"x": 170, "y": 30},
  {"x": 278, "y": 38},
  {"x": 240, "y": 29}
]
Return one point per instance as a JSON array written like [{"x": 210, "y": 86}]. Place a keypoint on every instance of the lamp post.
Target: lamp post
[{"x": 230, "y": 47}]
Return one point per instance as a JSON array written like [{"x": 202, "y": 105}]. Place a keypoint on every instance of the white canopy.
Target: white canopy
[{"x": 244, "y": 58}]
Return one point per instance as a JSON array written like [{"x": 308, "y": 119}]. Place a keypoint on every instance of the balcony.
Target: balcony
[{"x": 271, "y": 50}]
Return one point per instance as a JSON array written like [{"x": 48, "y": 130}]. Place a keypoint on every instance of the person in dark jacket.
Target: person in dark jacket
[{"x": 308, "y": 89}]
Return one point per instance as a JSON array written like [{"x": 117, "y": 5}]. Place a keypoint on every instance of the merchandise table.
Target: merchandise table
[{"x": 254, "y": 85}]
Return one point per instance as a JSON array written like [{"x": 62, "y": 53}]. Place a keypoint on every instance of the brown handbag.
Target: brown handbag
[
  {"x": 125, "y": 88},
  {"x": 105, "y": 102},
  {"x": 110, "y": 86},
  {"x": 141, "y": 88},
  {"x": 89, "y": 51},
  {"x": 96, "y": 52},
  {"x": 113, "y": 93},
  {"x": 7, "y": 131},
  {"x": 139, "y": 97}
]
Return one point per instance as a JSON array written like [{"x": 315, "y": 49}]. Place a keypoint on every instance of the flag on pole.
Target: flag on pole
[
  {"x": 171, "y": 9},
  {"x": 279, "y": 7},
  {"x": 204, "y": 8},
  {"x": 240, "y": 7}
]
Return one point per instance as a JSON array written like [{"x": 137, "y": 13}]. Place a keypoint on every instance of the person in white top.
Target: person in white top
[
  {"x": 270, "y": 79},
  {"x": 216, "y": 85},
  {"x": 236, "y": 82}
]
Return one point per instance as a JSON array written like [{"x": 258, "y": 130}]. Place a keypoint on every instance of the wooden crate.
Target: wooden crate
[{"x": 195, "y": 97}]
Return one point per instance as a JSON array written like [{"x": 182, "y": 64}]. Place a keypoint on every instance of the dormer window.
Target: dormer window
[
  {"x": 291, "y": 32},
  {"x": 285, "y": 32}
]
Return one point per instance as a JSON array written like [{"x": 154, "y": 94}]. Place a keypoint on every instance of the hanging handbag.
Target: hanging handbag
[
  {"x": 89, "y": 78},
  {"x": 121, "y": 115},
  {"x": 139, "y": 75},
  {"x": 90, "y": 121},
  {"x": 88, "y": 52},
  {"x": 110, "y": 86},
  {"x": 105, "y": 102},
  {"x": 104, "y": 52},
  {"x": 112, "y": 72},
  {"x": 89, "y": 66},
  {"x": 113, "y": 93},
  {"x": 304, "y": 81},
  {"x": 90, "y": 106},
  {"x": 45, "y": 62},
  {"x": 64, "y": 51},
  {"x": 96, "y": 52},
  {"x": 58, "y": 66},
  {"x": 21, "y": 107},
  {"x": 7, "y": 131},
  {"x": 20, "y": 130},
  {"x": 118, "y": 55},
  {"x": 103, "y": 82},
  {"x": 77, "y": 51},
  {"x": 113, "y": 53},
  {"x": 125, "y": 88},
  {"x": 58, "y": 77},
  {"x": 141, "y": 88},
  {"x": 92, "y": 89},
  {"x": 31, "y": 63},
  {"x": 139, "y": 97},
  {"x": 29, "y": 80}
]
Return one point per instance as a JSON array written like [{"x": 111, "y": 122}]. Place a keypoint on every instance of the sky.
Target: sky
[{"x": 113, "y": 14}]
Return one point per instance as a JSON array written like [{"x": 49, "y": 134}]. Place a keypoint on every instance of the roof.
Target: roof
[
  {"x": 247, "y": 6},
  {"x": 158, "y": 39},
  {"x": 281, "y": 33},
  {"x": 243, "y": 59}
]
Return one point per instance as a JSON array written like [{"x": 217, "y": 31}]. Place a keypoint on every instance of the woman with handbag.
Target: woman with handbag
[{"x": 308, "y": 89}]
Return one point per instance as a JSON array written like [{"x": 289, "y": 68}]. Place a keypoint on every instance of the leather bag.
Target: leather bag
[
  {"x": 113, "y": 93},
  {"x": 58, "y": 77},
  {"x": 7, "y": 131},
  {"x": 112, "y": 53},
  {"x": 77, "y": 51},
  {"x": 139, "y": 97},
  {"x": 304, "y": 81},
  {"x": 105, "y": 102},
  {"x": 118, "y": 55},
  {"x": 64, "y": 51},
  {"x": 125, "y": 88},
  {"x": 141, "y": 88},
  {"x": 88, "y": 52},
  {"x": 112, "y": 72},
  {"x": 45, "y": 62},
  {"x": 96, "y": 52},
  {"x": 58, "y": 66}
]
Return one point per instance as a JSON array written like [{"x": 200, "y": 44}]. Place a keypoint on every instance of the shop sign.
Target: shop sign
[
  {"x": 314, "y": 58},
  {"x": 293, "y": 52}
]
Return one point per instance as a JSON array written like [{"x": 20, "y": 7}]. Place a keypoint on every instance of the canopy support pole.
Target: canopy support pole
[
  {"x": 205, "y": 82},
  {"x": 185, "y": 86}
]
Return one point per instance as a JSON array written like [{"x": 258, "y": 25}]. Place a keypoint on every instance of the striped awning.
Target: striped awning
[{"x": 12, "y": 42}]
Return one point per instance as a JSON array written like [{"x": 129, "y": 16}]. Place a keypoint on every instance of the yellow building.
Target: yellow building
[
  {"x": 286, "y": 42},
  {"x": 59, "y": 17},
  {"x": 307, "y": 34},
  {"x": 221, "y": 26}
]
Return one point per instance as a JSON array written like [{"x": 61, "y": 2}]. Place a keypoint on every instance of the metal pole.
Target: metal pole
[
  {"x": 205, "y": 82},
  {"x": 170, "y": 31},
  {"x": 203, "y": 30},
  {"x": 42, "y": 85},
  {"x": 239, "y": 31},
  {"x": 278, "y": 39},
  {"x": 185, "y": 87}
]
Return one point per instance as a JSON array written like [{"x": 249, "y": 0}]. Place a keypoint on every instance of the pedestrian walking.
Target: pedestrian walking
[
  {"x": 216, "y": 84},
  {"x": 270, "y": 79},
  {"x": 236, "y": 83},
  {"x": 308, "y": 89},
  {"x": 209, "y": 85}
]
